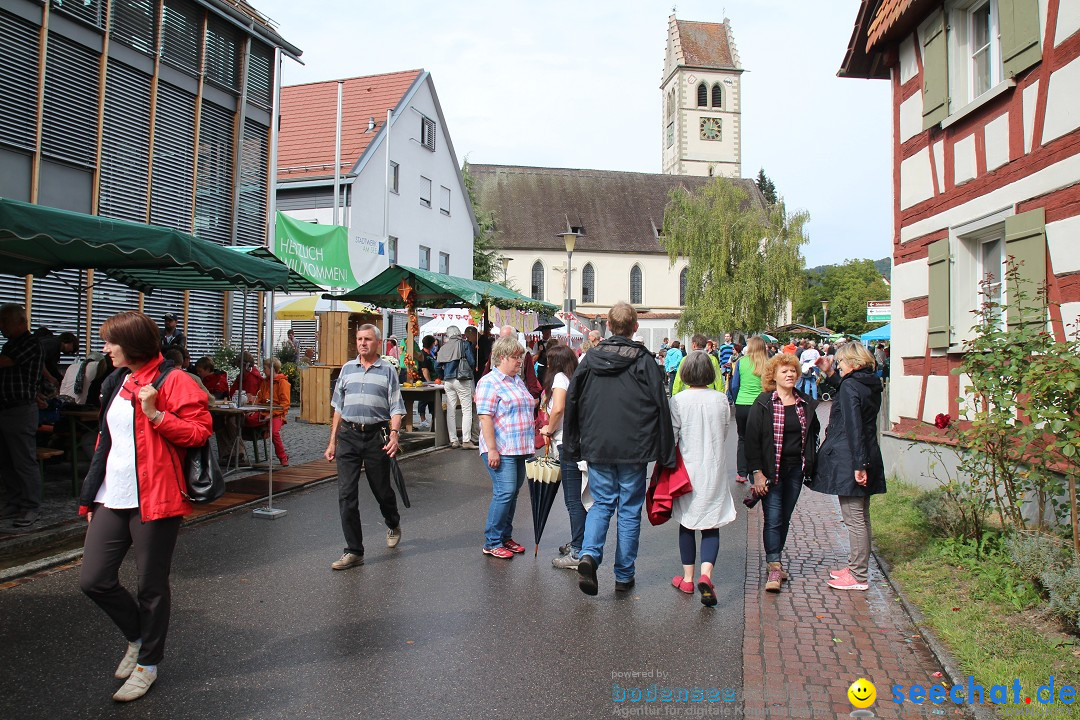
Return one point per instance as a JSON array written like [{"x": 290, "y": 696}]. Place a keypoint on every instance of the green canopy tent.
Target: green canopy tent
[
  {"x": 435, "y": 290},
  {"x": 37, "y": 240}
]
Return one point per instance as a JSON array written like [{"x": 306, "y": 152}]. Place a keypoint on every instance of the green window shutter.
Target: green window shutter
[
  {"x": 935, "y": 71},
  {"x": 1025, "y": 243},
  {"x": 940, "y": 336},
  {"x": 1019, "y": 24}
]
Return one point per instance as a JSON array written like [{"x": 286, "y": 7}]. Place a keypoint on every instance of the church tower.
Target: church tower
[{"x": 701, "y": 111}]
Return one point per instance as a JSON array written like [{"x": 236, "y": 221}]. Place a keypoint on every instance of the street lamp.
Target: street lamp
[
  {"x": 825, "y": 311},
  {"x": 569, "y": 240},
  {"x": 506, "y": 266}
]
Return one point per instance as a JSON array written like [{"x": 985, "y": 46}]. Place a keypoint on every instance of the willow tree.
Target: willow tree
[{"x": 744, "y": 259}]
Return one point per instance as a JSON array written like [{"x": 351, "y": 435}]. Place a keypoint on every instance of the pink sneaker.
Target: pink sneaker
[
  {"x": 838, "y": 573},
  {"x": 847, "y": 581}
]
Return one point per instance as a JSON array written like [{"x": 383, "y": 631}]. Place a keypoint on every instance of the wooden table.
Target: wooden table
[
  {"x": 81, "y": 422},
  {"x": 433, "y": 394},
  {"x": 231, "y": 412}
]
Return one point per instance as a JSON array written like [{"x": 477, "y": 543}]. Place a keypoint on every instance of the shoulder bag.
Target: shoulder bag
[{"x": 203, "y": 479}]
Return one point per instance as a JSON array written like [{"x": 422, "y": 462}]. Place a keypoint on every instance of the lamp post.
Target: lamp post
[
  {"x": 506, "y": 266},
  {"x": 569, "y": 240},
  {"x": 825, "y": 312}
]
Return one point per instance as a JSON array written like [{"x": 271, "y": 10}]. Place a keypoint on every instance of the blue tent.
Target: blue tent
[{"x": 880, "y": 333}]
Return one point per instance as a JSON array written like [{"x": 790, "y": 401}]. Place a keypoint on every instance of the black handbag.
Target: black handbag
[{"x": 203, "y": 479}]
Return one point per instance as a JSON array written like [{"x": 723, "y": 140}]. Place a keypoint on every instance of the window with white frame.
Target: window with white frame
[
  {"x": 427, "y": 133},
  {"x": 976, "y": 39},
  {"x": 444, "y": 200},
  {"x": 394, "y": 175},
  {"x": 979, "y": 274},
  {"x": 391, "y": 249},
  {"x": 444, "y": 263},
  {"x": 425, "y": 191},
  {"x": 425, "y": 257}
]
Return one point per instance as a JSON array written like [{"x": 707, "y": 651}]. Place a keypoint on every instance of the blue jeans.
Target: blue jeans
[
  {"x": 571, "y": 482},
  {"x": 777, "y": 507},
  {"x": 505, "y": 482},
  {"x": 808, "y": 385},
  {"x": 615, "y": 488}
]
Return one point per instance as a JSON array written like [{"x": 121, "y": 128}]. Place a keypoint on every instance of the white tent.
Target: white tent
[
  {"x": 444, "y": 319},
  {"x": 561, "y": 332}
]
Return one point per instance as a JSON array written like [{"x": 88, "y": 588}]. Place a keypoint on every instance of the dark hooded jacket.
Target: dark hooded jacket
[
  {"x": 616, "y": 408},
  {"x": 851, "y": 440}
]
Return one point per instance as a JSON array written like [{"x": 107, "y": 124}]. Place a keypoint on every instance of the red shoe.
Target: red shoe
[
  {"x": 513, "y": 546},
  {"x": 499, "y": 552},
  {"x": 847, "y": 581},
  {"x": 685, "y": 586}
]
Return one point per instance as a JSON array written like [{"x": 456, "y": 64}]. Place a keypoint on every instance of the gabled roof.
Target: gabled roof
[
  {"x": 706, "y": 45},
  {"x": 618, "y": 211},
  {"x": 309, "y": 117}
]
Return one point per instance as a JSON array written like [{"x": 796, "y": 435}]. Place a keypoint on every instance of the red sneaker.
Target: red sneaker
[
  {"x": 686, "y": 586},
  {"x": 499, "y": 552},
  {"x": 513, "y": 546}
]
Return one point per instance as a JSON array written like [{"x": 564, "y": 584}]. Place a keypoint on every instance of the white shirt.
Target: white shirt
[
  {"x": 119, "y": 490},
  {"x": 563, "y": 383}
]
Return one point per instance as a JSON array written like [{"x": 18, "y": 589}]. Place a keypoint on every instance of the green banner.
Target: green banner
[{"x": 318, "y": 252}]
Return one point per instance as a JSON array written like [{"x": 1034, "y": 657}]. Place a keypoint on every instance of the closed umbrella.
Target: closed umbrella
[
  {"x": 399, "y": 482},
  {"x": 545, "y": 476}
]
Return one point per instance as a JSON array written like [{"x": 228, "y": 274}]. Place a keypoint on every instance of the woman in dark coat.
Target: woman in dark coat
[
  {"x": 849, "y": 461},
  {"x": 777, "y": 472}
]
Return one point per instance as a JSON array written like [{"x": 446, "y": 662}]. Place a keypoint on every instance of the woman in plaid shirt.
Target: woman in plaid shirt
[{"x": 506, "y": 410}]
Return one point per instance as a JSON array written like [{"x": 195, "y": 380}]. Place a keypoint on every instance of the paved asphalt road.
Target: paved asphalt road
[{"x": 262, "y": 628}]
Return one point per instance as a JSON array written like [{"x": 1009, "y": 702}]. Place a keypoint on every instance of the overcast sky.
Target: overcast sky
[{"x": 576, "y": 84}]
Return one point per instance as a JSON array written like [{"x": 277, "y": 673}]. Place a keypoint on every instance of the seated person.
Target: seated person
[
  {"x": 176, "y": 355},
  {"x": 279, "y": 408},
  {"x": 250, "y": 374},
  {"x": 215, "y": 381}
]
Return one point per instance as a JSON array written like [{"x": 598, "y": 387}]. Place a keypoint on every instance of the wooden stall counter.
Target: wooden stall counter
[{"x": 315, "y": 388}]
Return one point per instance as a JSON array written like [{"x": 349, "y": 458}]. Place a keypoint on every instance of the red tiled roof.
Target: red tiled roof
[
  {"x": 309, "y": 115},
  {"x": 898, "y": 15},
  {"x": 705, "y": 44}
]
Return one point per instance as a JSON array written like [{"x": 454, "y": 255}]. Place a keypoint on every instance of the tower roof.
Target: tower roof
[{"x": 705, "y": 45}]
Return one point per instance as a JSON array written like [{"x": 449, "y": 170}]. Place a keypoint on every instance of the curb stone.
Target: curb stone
[{"x": 941, "y": 652}]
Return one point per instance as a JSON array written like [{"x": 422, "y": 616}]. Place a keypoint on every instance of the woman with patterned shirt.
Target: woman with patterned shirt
[{"x": 506, "y": 410}]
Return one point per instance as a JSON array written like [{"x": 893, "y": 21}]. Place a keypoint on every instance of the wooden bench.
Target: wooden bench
[{"x": 44, "y": 454}]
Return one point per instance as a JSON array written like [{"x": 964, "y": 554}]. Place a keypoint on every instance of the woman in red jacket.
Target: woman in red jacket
[{"x": 134, "y": 491}]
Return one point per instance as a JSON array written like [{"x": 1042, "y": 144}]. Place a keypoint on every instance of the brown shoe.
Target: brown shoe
[
  {"x": 347, "y": 560},
  {"x": 776, "y": 576}
]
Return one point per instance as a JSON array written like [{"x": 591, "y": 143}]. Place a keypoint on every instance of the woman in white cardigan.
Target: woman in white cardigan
[{"x": 700, "y": 418}]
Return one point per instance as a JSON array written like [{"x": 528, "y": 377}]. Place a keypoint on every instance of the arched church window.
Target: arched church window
[
  {"x": 538, "y": 280},
  {"x": 682, "y": 285},
  {"x": 703, "y": 95},
  {"x": 588, "y": 284},
  {"x": 717, "y": 96},
  {"x": 635, "y": 285}
]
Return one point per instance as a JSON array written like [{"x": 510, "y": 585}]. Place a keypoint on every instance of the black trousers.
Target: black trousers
[
  {"x": 355, "y": 450},
  {"x": 742, "y": 414},
  {"x": 108, "y": 538}
]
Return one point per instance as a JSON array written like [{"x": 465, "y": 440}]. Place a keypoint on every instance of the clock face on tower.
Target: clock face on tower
[{"x": 710, "y": 128}]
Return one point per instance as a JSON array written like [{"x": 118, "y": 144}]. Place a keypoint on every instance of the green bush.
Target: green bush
[
  {"x": 941, "y": 514},
  {"x": 1047, "y": 561},
  {"x": 287, "y": 354},
  {"x": 1064, "y": 587}
]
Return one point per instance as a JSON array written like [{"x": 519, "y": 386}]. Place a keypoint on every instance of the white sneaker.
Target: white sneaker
[
  {"x": 131, "y": 659},
  {"x": 136, "y": 686}
]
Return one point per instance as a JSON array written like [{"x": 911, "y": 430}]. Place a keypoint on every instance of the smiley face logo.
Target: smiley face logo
[{"x": 862, "y": 693}]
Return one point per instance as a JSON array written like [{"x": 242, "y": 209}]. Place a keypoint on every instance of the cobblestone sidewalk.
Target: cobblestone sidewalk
[{"x": 803, "y": 647}]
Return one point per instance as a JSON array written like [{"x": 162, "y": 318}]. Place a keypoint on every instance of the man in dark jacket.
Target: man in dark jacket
[{"x": 617, "y": 419}]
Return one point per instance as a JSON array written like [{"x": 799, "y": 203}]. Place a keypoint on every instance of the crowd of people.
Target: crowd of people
[{"x": 607, "y": 411}]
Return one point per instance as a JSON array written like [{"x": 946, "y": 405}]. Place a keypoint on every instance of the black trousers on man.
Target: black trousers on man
[
  {"x": 108, "y": 538},
  {"x": 358, "y": 449}
]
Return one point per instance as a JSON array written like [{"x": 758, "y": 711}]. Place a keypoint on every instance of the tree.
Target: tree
[
  {"x": 766, "y": 186},
  {"x": 487, "y": 260},
  {"x": 744, "y": 259},
  {"x": 847, "y": 287}
]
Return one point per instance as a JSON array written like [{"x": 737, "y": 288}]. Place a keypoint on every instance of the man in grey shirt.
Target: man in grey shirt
[{"x": 368, "y": 411}]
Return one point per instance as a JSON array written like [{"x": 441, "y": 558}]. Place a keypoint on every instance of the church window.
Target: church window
[
  {"x": 538, "y": 280},
  {"x": 682, "y": 285},
  {"x": 635, "y": 285},
  {"x": 588, "y": 284},
  {"x": 717, "y": 96},
  {"x": 703, "y": 95}
]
